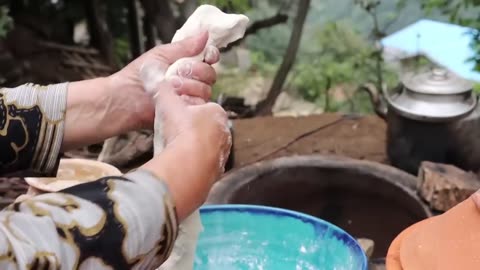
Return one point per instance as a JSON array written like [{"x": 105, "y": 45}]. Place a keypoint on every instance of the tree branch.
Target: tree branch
[
  {"x": 259, "y": 25},
  {"x": 161, "y": 15},
  {"x": 265, "y": 106},
  {"x": 135, "y": 28}
]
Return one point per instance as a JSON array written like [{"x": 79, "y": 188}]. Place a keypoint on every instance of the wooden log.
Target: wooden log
[
  {"x": 367, "y": 246},
  {"x": 444, "y": 186}
]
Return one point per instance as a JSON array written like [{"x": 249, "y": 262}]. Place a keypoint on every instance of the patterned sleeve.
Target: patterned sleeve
[
  {"x": 115, "y": 223},
  {"x": 31, "y": 129}
]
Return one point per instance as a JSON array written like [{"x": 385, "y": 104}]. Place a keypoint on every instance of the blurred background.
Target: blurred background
[
  {"x": 299, "y": 56},
  {"x": 304, "y": 90}
]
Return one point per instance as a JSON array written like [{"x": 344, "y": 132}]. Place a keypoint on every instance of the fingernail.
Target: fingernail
[
  {"x": 185, "y": 70},
  {"x": 175, "y": 81}
]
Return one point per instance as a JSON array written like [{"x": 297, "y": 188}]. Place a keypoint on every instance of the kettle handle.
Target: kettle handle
[
  {"x": 388, "y": 94},
  {"x": 376, "y": 99}
]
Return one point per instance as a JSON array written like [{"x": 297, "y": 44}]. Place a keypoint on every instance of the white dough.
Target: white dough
[{"x": 223, "y": 29}]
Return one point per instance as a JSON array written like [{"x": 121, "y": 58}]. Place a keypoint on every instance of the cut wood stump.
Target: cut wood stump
[{"x": 444, "y": 186}]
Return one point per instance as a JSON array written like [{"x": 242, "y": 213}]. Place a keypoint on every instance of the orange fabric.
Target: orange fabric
[
  {"x": 393, "y": 261},
  {"x": 446, "y": 242}
]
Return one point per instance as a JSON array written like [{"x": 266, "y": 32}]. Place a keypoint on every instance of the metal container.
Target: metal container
[
  {"x": 435, "y": 96},
  {"x": 431, "y": 116}
]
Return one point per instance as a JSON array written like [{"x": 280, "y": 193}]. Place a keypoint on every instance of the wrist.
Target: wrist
[
  {"x": 93, "y": 113},
  {"x": 188, "y": 185}
]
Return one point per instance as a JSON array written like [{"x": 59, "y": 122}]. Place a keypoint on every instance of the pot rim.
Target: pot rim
[{"x": 238, "y": 178}]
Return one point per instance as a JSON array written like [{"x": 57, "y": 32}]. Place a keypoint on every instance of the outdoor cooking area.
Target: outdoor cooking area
[
  {"x": 332, "y": 166},
  {"x": 376, "y": 174}
]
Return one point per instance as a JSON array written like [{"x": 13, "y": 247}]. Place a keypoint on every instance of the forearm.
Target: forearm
[
  {"x": 179, "y": 166},
  {"x": 31, "y": 129},
  {"x": 95, "y": 113},
  {"x": 37, "y": 122},
  {"x": 131, "y": 219}
]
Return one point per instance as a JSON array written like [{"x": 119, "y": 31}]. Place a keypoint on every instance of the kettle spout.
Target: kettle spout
[{"x": 379, "y": 105}]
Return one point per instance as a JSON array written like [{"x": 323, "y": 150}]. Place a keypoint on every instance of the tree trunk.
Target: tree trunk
[
  {"x": 150, "y": 33},
  {"x": 101, "y": 37},
  {"x": 161, "y": 15},
  {"x": 16, "y": 7},
  {"x": 265, "y": 106},
  {"x": 135, "y": 28}
]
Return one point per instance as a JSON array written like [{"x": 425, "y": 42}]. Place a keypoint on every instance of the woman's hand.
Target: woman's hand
[
  {"x": 194, "y": 79},
  {"x": 102, "y": 108},
  {"x": 198, "y": 144}
]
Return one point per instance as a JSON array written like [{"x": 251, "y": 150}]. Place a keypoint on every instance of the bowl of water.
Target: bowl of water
[{"x": 249, "y": 237}]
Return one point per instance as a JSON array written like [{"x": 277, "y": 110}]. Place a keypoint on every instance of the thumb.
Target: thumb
[{"x": 188, "y": 47}]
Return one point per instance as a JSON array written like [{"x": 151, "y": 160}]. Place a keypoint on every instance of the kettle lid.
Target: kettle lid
[{"x": 437, "y": 82}]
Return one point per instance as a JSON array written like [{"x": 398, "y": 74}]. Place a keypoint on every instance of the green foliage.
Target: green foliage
[
  {"x": 261, "y": 63},
  {"x": 231, "y": 5},
  {"x": 344, "y": 59},
  {"x": 118, "y": 24},
  {"x": 457, "y": 10},
  {"x": 6, "y": 22},
  {"x": 476, "y": 88},
  {"x": 122, "y": 51},
  {"x": 271, "y": 42},
  {"x": 231, "y": 84},
  {"x": 335, "y": 53}
]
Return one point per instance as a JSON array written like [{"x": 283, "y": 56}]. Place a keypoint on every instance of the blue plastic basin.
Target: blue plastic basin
[{"x": 245, "y": 237}]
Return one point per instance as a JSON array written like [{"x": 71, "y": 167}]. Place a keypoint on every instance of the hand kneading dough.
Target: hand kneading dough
[{"x": 223, "y": 29}]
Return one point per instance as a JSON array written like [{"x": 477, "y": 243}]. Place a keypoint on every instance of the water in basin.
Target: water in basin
[{"x": 241, "y": 237}]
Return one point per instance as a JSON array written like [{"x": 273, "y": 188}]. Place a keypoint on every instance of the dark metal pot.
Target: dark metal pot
[
  {"x": 427, "y": 121},
  {"x": 367, "y": 199}
]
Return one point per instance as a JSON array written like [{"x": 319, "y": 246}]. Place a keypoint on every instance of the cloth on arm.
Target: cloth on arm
[
  {"x": 31, "y": 129},
  {"x": 115, "y": 223}
]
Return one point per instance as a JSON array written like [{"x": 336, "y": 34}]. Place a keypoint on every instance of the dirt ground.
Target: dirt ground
[
  {"x": 359, "y": 137},
  {"x": 266, "y": 138}
]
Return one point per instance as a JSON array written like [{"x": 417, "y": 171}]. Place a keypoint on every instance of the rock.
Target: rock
[
  {"x": 444, "y": 186},
  {"x": 367, "y": 246}
]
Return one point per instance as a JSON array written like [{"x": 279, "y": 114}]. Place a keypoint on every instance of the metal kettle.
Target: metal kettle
[
  {"x": 431, "y": 116},
  {"x": 434, "y": 96}
]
